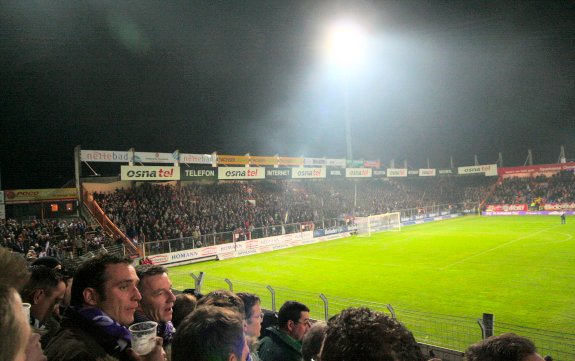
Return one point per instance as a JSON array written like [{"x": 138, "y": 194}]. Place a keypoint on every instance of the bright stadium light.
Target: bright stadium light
[{"x": 346, "y": 43}]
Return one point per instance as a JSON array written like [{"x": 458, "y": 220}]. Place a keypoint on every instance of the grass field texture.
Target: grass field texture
[{"x": 521, "y": 269}]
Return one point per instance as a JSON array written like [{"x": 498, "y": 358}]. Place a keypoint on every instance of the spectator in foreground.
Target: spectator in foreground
[
  {"x": 104, "y": 299},
  {"x": 283, "y": 343},
  {"x": 44, "y": 291},
  {"x": 157, "y": 300},
  {"x": 254, "y": 318},
  {"x": 505, "y": 347},
  {"x": 14, "y": 327},
  {"x": 363, "y": 334},
  {"x": 312, "y": 341},
  {"x": 17, "y": 342},
  {"x": 184, "y": 305},
  {"x": 211, "y": 333}
]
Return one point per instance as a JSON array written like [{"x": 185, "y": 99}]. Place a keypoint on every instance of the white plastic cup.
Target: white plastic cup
[
  {"x": 26, "y": 309},
  {"x": 143, "y": 337}
]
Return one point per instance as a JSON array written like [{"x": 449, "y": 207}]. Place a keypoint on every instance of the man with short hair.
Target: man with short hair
[
  {"x": 211, "y": 333},
  {"x": 363, "y": 334},
  {"x": 157, "y": 300},
  {"x": 283, "y": 343},
  {"x": 44, "y": 291},
  {"x": 103, "y": 301},
  {"x": 505, "y": 347}
]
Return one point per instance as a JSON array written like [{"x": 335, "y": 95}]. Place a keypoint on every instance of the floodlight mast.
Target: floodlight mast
[{"x": 346, "y": 45}]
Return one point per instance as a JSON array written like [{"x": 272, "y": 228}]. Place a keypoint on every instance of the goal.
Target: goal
[{"x": 378, "y": 223}]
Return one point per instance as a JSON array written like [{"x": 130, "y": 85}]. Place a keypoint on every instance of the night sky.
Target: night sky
[{"x": 439, "y": 79}]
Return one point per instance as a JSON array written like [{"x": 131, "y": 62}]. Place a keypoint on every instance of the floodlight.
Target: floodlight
[{"x": 346, "y": 43}]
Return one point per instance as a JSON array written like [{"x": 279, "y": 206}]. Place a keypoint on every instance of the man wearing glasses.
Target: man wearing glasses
[
  {"x": 254, "y": 317},
  {"x": 283, "y": 343}
]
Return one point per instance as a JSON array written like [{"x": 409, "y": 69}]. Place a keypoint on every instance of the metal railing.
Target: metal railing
[{"x": 444, "y": 331}]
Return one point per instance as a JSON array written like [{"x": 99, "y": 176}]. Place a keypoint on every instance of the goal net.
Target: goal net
[{"x": 378, "y": 223}]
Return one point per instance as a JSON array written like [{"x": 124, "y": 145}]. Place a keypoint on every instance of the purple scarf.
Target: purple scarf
[{"x": 106, "y": 324}]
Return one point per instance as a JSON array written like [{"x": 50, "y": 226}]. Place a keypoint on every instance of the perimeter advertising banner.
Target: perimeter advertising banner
[
  {"x": 38, "y": 195},
  {"x": 445, "y": 171},
  {"x": 358, "y": 172},
  {"x": 506, "y": 207},
  {"x": 308, "y": 173},
  {"x": 187, "y": 174},
  {"x": 324, "y": 162},
  {"x": 396, "y": 172},
  {"x": 427, "y": 172},
  {"x": 379, "y": 173},
  {"x": 290, "y": 161},
  {"x": 233, "y": 159},
  {"x": 263, "y": 160},
  {"x": 196, "y": 158},
  {"x": 104, "y": 156},
  {"x": 278, "y": 173},
  {"x": 488, "y": 169},
  {"x": 148, "y": 173},
  {"x": 535, "y": 169},
  {"x": 241, "y": 173},
  {"x": 336, "y": 173},
  {"x": 151, "y": 157},
  {"x": 559, "y": 206}
]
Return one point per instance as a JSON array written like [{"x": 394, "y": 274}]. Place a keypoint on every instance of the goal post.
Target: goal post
[{"x": 378, "y": 223}]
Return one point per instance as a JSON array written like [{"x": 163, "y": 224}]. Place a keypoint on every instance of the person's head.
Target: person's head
[
  {"x": 312, "y": 341},
  {"x": 13, "y": 269},
  {"x": 48, "y": 261},
  {"x": 505, "y": 347},
  {"x": 156, "y": 290},
  {"x": 254, "y": 315},
  {"x": 211, "y": 333},
  {"x": 293, "y": 318},
  {"x": 109, "y": 283},
  {"x": 363, "y": 334},
  {"x": 183, "y": 306},
  {"x": 222, "y": 298},
  {"x": 14, "y": 327},
  {"x": 44, "y": 291}
]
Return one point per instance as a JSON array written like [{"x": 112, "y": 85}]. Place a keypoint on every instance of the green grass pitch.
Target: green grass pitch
[{"x": 521, "y": 269}]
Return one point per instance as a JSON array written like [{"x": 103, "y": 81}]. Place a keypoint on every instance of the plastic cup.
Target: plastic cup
[
  {"x": 26, "y": 309},
  {"x": 143, "y": 337}
]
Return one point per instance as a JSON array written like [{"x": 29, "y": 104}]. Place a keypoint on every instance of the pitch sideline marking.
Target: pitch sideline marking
[{"x": 497, "y": 247}]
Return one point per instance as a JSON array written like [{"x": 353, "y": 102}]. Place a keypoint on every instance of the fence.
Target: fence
[{"x": 444, "y": 331}]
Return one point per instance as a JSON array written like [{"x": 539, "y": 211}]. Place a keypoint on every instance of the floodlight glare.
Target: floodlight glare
[{"x": 346, "y": 43}]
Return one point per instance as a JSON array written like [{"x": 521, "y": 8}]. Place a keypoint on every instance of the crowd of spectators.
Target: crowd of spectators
[
  {"x": 153, "y": 212},
  {"x": 559, "y": 188},
  {"x": 88, "y": 315},
  {"x": 64, "y": 238}
]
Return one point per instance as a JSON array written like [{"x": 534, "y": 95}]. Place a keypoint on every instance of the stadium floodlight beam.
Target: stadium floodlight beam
[{"x": 346, "y": 44}]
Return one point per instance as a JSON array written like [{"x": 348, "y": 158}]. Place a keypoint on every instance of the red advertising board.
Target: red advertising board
[{"x": 535, "y": 169}]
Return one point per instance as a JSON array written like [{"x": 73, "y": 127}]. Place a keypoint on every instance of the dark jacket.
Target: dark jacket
[
  {"x": 80, "y": 340},
  {"x": 279, "y": 346}
]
